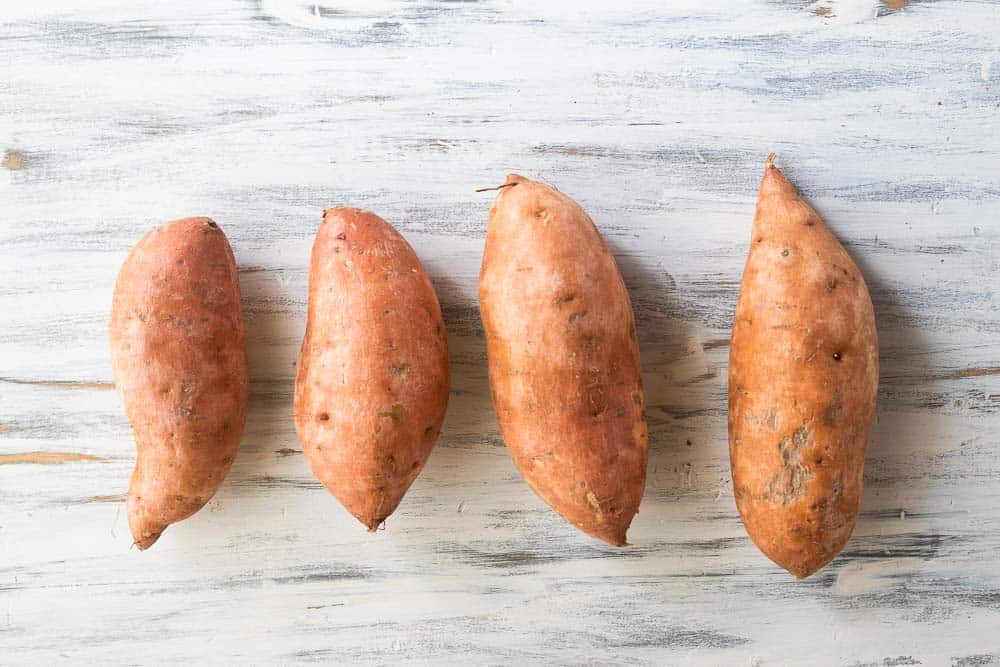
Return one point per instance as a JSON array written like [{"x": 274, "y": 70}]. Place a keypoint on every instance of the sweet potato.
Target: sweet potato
[
  {"x": 373, "y": 375},
  {"x": 180, "y": 365},
  {"x": 563, "y": 358},
  {"x": 803, "y": 375}
]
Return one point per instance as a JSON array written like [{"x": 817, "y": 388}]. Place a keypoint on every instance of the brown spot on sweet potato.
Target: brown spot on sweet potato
[
  {"x": 341, "y": 236},
  {"x": 564, "y": 298},
  {"x": 323, "y": 417},
  {"x": 575, "y": 316},
  {"x": 395, "y": 413},
  {"x": 399, "y": 370},
  {"x": 834, "y": 412},
  {"x": 598, "y": 401}
]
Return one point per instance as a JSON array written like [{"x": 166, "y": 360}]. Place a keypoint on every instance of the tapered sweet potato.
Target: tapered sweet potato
[
  {"x": 563, "y": 358},
  {"x": 180, "y": 365},
  {"x": 373, "y": 375},
  {"x": 803, "y": 375}
]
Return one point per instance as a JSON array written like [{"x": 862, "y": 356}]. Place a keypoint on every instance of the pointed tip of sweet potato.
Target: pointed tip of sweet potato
[
  {"x": 613, "y": 535},
  {"x": 145, "y": 533}
]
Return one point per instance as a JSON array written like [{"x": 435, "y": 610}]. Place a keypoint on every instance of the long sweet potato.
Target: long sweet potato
[
  {"x": 180, "y": 365},
  {"x": 563, "y": 358},
  {"x": 803, "y": 376},
  {"x": 373, "y": 375}
]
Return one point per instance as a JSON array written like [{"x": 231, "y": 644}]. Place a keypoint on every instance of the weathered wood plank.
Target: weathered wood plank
[{"x": 657, "y": 119}]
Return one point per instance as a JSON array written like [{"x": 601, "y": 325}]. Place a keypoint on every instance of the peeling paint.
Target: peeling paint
[
  {"x": 47, "y": 458},
  {"x": 62, "y": 384},
  {"x": 13, "y": 160}
]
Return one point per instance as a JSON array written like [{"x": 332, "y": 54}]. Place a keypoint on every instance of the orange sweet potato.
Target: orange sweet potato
[
  {"x": 373, "y": 375},
  {"x": 180, "y": 365},
  {"x": 803, "y": 375},
  {"x": 563, "y": 358}
]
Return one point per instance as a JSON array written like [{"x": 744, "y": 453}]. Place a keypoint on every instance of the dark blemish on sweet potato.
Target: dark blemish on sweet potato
[
  {"x": 323, "y": 417},
  {"x": 834, "y": 412},
  {"x": 837, "y": 490},
  {"x": 784, "y": 253},
  {"x": 564, "y": 298},
  {"x": 760, "y": 239},
  {"x": 598, "y": 401},
  {"x": 836, "y": 356},
  {"x": 341, "y": 236},
  {"x": 575, "y": 316},
  {"x": 429, "y": 430},
  {"x": 637, "y": 398}
]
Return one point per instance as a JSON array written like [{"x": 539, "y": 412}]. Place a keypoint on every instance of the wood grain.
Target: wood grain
[{"x": 656, "y": 117}]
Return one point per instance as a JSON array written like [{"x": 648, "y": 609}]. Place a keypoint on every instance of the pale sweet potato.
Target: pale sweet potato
[
  {"x": 803, "y": 375},
  {"x": 373, "y": 375},
  {"x": 180, "y": 365},
  {"x": 563, "y": 358}
]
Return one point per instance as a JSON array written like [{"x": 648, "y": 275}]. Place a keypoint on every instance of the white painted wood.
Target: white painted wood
[{"x": 656, "y": 117}]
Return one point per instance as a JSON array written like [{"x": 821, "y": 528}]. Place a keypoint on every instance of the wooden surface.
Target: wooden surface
[{"x": 657, "y": 118}]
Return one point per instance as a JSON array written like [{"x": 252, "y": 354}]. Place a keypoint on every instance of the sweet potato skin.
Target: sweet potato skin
[
  {"x": 180, "y": 365},
  {"x": 564, "y": 358},
  {"x": 803, "y": 378},
  {"x": 373, "y": 376}
]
